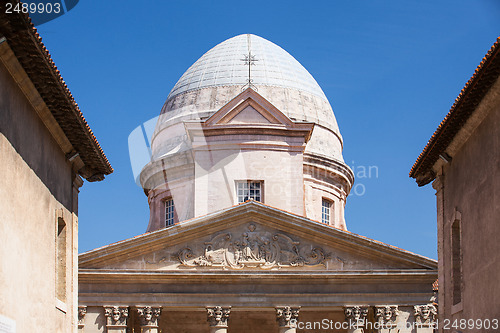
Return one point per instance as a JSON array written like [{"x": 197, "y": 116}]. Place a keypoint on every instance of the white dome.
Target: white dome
[
  {"x": 221, "y": 74},
  {"x": 224, "y": 65},
  {"x": 198, "y": 172}
]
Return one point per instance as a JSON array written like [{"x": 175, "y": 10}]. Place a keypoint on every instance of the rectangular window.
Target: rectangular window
[
  {"x": 325, "y": 211},
  {"x": 456, "y": 262},
  {"x": 169, "y": 212},
  {"x": 249, "y": 190},
  {"x": 61, "y": 260}
]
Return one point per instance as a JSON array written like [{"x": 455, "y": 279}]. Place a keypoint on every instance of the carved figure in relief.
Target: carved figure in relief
[{"x": 253, "y": 249}]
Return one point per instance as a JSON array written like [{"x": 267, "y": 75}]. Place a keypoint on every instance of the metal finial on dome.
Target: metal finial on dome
[
  {"x": 238, "y": 63},
  {"x": 250, "y": 61},
  {"x": 223, "y": 66}
]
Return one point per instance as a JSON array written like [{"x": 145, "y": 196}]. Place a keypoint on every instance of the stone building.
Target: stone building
[
  {"x": 462, "y": 158},
  {"x": 247, "y": 188},
  {"x": 46, "y": 148}
]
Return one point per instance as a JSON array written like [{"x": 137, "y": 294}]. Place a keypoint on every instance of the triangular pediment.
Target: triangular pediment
[
  {"x": 253, "y": 236},
  {"x": 249, "y": 107},
  {"x": 250, "y": 115}
]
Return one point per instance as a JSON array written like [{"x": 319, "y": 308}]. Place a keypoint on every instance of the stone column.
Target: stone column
[
  {"x": 82, "y": 311},
  {"x": 218, "y": 318},
  {"x": 438, "y": 185},
  {"x": 386, "y": 318},
  {"x": 425, "y": 318},
  {"x": 149, "y": 317},
  {"x": 287, "y": 318},
  {"x": 116, "y": 319},
  {"x": 356, "y": 317}
]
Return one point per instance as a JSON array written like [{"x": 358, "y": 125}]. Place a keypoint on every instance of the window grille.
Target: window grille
[{"x": 249, "y": 190}]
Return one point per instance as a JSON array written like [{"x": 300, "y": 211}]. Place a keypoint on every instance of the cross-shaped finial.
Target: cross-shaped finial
[{"x": 249, "y": 60}]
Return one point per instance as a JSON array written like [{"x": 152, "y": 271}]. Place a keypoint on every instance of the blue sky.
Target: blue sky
[{"x": 390, "y": 69}]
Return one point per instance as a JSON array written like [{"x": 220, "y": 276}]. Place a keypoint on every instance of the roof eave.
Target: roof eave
[
  {"x": 465, "y": 104},
  {"x": 36, "y": 61}
]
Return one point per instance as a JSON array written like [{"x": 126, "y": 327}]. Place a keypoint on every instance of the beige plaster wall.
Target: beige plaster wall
[
  {"x": 315, "y": 192},
  {"x": 212, "y": 184},
  {"x": 181, "y": 191},
  {"x": 472, "y": 191},
  {"x": 280, "y": 171},
  {"x": 35, "y": 182},
  {"x": 199, "y": 171},
  {"x": 94, "y": 320}
]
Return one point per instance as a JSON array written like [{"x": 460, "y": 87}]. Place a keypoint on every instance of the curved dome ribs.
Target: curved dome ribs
[{"x": 225, "y": 65}]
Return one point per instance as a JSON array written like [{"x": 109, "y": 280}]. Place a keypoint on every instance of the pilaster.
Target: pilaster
[
  {"x": 386, "y": 317},
  {"x": 287, "y": 318},
  {"x": 356, "y": 317},
  {"x": 116, "y": 319},
  {"x": 82, "y": 311},
  {"x": 218, "y": 317},
  {"x": 425, "y": 318},
  {"x": 438, "y": 185},
  {"x": 149, "y": 317}
]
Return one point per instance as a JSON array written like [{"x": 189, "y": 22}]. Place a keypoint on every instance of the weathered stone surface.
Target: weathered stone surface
[
  {"x": 37, "y": 189},
  {"x": 468, "y": 191},
  {"x": 116, "y": 315}
]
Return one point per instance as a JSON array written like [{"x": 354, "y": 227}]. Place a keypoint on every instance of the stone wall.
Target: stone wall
[
  {"x": 469, "y": 193},
  {"x": 36, "y": 192}
]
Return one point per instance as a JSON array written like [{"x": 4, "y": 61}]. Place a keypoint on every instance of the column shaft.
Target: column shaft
[
  {"x": 116, "y": 319},
  {"x": 287, "y": 317},
  {"x": 356, "y": 317},
  {"x": 218, "y": 329},
  {"x": 287, "y": 330},
  {"x": 149, "y": 317},
  {"x": 149, "y": 329}
]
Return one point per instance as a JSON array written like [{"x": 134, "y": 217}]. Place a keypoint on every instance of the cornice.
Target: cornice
[
  {"x": 117, "y": 276},
  {"x": 257, "y": 213}
]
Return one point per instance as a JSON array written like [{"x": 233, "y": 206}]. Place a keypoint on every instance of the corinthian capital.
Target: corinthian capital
[
  {"x": 82, "y": 311},
  {"x": 286, "y": 315},
  {"x": 386, "y": 315},
  {"x": 425, "y": 314},
  {"x": 116, "y": 315},
  {"x": 149, "y": 315},
  {"x": 356, "y": 315},
  {"x": 218, "y": 316}
]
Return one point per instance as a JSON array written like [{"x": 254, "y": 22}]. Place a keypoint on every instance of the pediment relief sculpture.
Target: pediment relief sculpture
[{"x": 253, "y": 249}]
